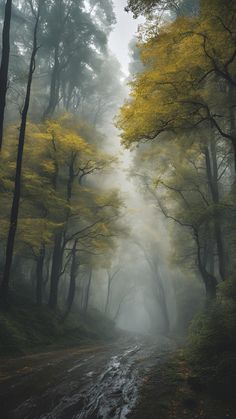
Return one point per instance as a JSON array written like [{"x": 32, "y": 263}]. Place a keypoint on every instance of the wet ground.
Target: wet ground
[{"x": 94, "y": 382}]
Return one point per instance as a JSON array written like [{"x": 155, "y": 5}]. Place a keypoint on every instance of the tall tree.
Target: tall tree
[
  {"x": 4, "y": 64},
  {"x": 17, "y": 185}
]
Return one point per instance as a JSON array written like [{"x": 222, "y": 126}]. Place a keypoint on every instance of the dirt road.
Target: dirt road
[{"x": 96, "y": 382}]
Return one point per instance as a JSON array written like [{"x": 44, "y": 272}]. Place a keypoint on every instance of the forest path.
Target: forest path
[{"x": 94, "y": 382}]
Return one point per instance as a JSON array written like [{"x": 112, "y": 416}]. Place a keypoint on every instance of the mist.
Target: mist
[{"x": 117, "y": 209}]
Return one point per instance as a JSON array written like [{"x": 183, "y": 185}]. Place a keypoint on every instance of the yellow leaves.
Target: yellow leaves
[
  {"x": 35, "y": 232},
  {"x": 48, "y": 166},
  {"x": 58, "y": 153},
  {"x": 177, "y": 61}
]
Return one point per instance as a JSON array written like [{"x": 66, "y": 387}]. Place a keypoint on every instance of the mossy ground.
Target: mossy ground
[
  {"x": 25, "y": 329},
  {"x": 173, "y": 391}
]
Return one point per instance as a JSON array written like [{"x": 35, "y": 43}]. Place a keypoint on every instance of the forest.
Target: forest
[{"x": 117, "y": 209}]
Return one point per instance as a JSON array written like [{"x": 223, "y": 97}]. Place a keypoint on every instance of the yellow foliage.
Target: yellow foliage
[{"x": 183, "y": 65}]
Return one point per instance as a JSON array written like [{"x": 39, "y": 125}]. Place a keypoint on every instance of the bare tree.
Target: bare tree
[{"x": 110, "y": 278}]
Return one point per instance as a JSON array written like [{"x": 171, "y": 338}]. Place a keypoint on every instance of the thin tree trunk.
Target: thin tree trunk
[
  {"x": 17, "y": 185},
  {"x": 212, "y": 174},
  {"x": 232, "y": 100},
  {"x": 39, "y": 277},
  {"x": 108, "y": 293},
  {"x": 72, "y": 286},
  {"x": 118, "y": 311},
  {"x": 87, "y": 294},
  {"x": 56, "y": 270},
  {"x": 54, "y": 86},
  {"x": 209, "y": 280},
  {"x": 163, "y": 303},
  {"x": 4, "y": 64},
  {"x": 58, "y": 242}
]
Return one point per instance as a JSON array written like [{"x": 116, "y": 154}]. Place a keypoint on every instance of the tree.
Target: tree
[
  {"x": 192, "y": 86},
  {"x": 17, "y": 186},
  {"x": 179, "y": 7},
  {"x": 110, "y": 278},
  {"x": 4, "y": 64},
  {"x": 152, "y": 256},
  {"x": 74, "y": 38}
]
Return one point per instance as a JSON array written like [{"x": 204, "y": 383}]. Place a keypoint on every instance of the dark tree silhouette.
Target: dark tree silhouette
[
  {"x": 17, "y": 184},
  {"x": 4, "y": 64}
]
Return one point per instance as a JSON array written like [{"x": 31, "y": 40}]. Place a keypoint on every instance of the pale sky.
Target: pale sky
[{"x": 123, "y": 32}]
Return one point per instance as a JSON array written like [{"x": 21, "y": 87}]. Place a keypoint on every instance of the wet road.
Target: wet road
[{"x": 96, "y": 382}]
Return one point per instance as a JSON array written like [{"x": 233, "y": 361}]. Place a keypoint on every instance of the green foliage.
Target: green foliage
[
  {"x": 189, "y": 297},
  {"x": 213, "y": 342}
]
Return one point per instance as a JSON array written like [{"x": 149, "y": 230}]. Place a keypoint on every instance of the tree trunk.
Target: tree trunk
[
  {"x": 56, "y": 270},
  {"x": 39, "y": 277},
  {"x": 108, "y": 294},
  {"x": 212, "y": 174},
  {"x": 209, "y": 280},
  {"x": 87, "y": 293},
  {"x": 54, "y": 86},
  {"x": 17, "y": 185},
  {"x": 161, "y": 296},
  {"x": 58, "y": 242},
  {"x": 4, "y": 64},
  {"x": 232, "y": 101},
  {"x": 73, "y": 271}
]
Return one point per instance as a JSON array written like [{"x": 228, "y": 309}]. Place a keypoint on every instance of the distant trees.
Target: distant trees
[
  {"x": 71, "y": 61},
  {"x": 111, "y": 275},
  {"x": 159, "y": 284}
]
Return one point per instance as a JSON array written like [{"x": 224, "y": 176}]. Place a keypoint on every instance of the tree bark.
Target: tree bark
[
  {"x": 212, "y": 174},
  {"x": 87, "y": 293},
  {"x": 209, "y": 280},
  {"x": 232, "y": 101},
  {"x": 163, "y": 303},
  {"x": 39, "y": 277},
  {"x": 54, "y": 86},
  {"x": 56, "y": 270},
  {"x": 17, "y": 185},
  {"x": 4, "y": 64},
  {"x": 72, "y": 286},
  {"x": 108, "y": 296},
  {"x": 58, "y": 242}
]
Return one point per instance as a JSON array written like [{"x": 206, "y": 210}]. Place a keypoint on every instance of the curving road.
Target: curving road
[{"x": 96, "y": 382}]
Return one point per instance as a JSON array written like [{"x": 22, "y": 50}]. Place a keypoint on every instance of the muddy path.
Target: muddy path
[{"x": 96, "y": 382}]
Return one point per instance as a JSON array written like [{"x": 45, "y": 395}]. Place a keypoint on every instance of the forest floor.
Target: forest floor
[{"x": 170, "y": 391}]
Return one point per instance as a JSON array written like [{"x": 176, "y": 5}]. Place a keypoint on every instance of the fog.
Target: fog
[{"x": 117, "y": 209}]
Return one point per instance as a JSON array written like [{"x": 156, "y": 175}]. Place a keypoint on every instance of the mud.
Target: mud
[{"x": 97, "y": 382}]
